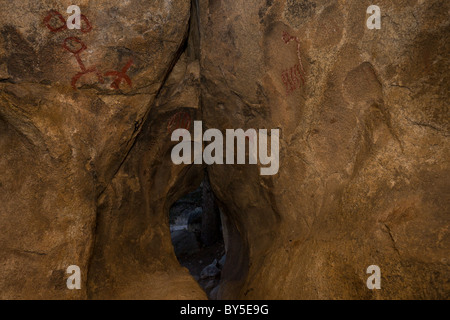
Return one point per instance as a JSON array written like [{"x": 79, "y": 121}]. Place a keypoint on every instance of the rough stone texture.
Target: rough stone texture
[
  {"x": 364, "y": 151},
  {"x": 63, "y": 150},
  {"x": 211, "y": 271},
  {"x": 87, "y": 177}
]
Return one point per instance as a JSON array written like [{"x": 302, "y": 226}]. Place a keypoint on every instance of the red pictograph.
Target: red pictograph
[
  {"x": 55, "y": 22},
  {"x": 76, "y": 46},
  {"x": 87, "y": 25},
  {"x": 292, "y": 76},
  {"x": 181, "y": 120},
  {"x": 120, "y": 76}
]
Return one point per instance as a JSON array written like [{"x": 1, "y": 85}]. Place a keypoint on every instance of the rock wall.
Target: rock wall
[
  {"x": 67, "y": 142},
  {"x": 364, "y": 145},
  {"x": 87, "y": 178}
]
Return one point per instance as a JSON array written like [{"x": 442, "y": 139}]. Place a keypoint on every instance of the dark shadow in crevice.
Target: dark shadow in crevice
[{"x": 197, "y": 238}]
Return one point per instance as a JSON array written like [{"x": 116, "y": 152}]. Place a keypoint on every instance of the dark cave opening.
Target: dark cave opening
[{"x": 197, "y": 236}]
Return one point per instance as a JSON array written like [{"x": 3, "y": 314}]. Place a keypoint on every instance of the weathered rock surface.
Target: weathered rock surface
[
  {"x": 87, "y": 177},
  {"x": 210, "y": 271},
  {"x": 364, "y": 147},
  {"x": 64, "y": 141}
]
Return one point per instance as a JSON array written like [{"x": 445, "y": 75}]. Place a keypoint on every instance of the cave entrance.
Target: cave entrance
[{"x": 197, "y": 236}]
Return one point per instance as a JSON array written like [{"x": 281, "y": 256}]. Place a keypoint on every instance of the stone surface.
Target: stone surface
[
  {"x": 210, "y": 271},
  {"x": 210, "y": 285},
  {"x": 179, "y": 212},
  {"x": 214, "y": 293},
  {"x": 364, "y": 147},
  {"x": 87, "y": 177},
  {"x": 63, "y": 148}
]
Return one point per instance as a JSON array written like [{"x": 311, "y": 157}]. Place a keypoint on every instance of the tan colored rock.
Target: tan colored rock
[
  {"x": 87, "y": 176},
  {"x": 65, "y": 132},
  {"x": 364, "y": 147}
]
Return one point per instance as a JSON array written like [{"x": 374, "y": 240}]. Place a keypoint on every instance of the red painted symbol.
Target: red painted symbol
[
  {"x": 88, "y": 26},
  {"x": 76, "y": 46},
  {"x": 120, "y": 76},
  {"x": 181, "y": 120},
  {"x": 291, "y": 77},
  {"x": 55, "y": 21}
]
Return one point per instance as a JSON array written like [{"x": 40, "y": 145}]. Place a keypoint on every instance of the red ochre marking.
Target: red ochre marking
[
  {"x": 87, "y": 27},
  {"x": 181, "y": 120},
  {"x": 120, "y": 76},
  {"x": 73, "y": 42},
  {"x": 55, "y": 14},
  {"x": 291, "y": 76},
  {"x": 75, "y": 46},
  {"x": 87, "y": 71}
]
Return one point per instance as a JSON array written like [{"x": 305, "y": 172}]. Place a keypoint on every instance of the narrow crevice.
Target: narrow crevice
[
  {"x": 182, "y": 48},
  {"x": 197, "y": 237}
]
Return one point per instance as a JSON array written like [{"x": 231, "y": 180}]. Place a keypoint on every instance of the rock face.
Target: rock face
[
  {"x": 87, "y": 178},
  {"x": 72, "y": 103},
  {"x": 364, "y": 145},
  {"x": 211, "y": 271},
  {"x": 195, "y": 221}
]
